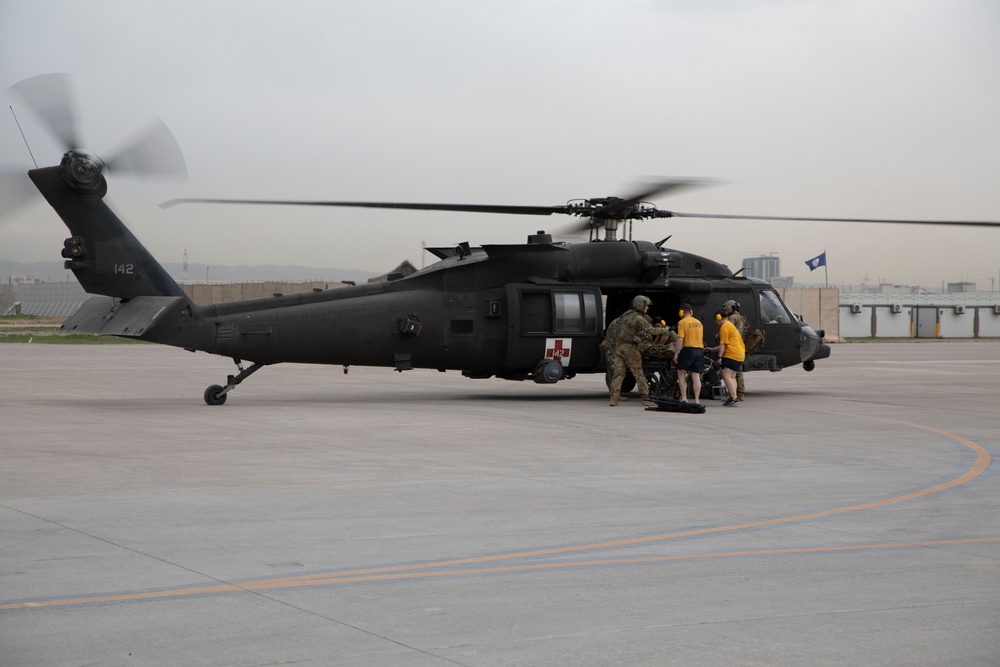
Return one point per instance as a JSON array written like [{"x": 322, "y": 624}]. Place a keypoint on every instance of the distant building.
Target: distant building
[
  {"x": 765, "y": 267},
  {"x": 23, "y": 280},
  {"x": 956, "y": 288},
  {"x": 889, "y": 288}
]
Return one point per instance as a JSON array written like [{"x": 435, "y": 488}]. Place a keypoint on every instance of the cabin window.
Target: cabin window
[
  {"x": 569, "y": 312},
  {"x": 772, "y": 311},
  {"x": 576, "y": 312},
  {"x": 536, "y": 312},
  {"x": 559, "y": 312}
]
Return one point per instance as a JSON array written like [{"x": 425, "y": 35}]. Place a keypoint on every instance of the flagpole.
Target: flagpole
[{"x": 826, "y": 269}]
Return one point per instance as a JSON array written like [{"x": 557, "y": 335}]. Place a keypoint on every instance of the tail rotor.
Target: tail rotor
[{"x": 154, "y": 153}]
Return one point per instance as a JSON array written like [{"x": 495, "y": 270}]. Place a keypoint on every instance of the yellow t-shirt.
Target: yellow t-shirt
[
  {"x": 691, "y": 331},
  {"x": 730, "y": 337}
]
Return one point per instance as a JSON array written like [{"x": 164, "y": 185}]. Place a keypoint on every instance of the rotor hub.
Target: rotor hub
[{"x": 82, "y": 170}]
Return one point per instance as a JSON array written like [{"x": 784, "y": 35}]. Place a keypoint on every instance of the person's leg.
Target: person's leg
[
  {"x": 617, "y": 368},
  {"x": 634, "y": 362},
  {"x": 729, "y": 379},
  {"x": 682, "y": 383}
]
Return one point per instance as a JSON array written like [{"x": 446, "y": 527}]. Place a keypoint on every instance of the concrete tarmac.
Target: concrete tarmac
[{"x": 847, "y": 516}]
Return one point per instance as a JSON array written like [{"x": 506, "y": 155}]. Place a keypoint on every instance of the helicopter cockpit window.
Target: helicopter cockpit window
[{"x": 772, "y": 311}]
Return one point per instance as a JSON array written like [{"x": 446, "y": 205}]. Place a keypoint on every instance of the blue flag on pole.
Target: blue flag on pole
[{"x": 817, "y": 261}]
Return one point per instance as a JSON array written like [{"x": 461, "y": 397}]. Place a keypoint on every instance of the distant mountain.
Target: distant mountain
[{"x": 53, "y": 272}]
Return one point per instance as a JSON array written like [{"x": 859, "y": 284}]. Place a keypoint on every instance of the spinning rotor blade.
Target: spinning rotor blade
[
  {"x": 664, "y": 187},
  {"x": 15, "y": 189},
  {"x": 593, "y": 213},
  {"x": 49, "y": 96},
  {"x": 609, "y": 209},
  {"x": 463, "y": 208},
  {"x": 726, "y": 216},
  {"x": 153, "y": 153},
  {"x": 619, "y": 209}
]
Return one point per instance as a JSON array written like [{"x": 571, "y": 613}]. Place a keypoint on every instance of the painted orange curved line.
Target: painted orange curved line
[
  {"x": 983, "y": 459},
  {"x": 647, "y": 559},
  {"x": 346, "y": 578}
]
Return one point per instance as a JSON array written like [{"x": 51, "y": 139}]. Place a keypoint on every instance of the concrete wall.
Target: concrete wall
[
  {"x": 923, "y": 321},
  {"x": 957, "y": 324},
  {"x": 8, "y": 295},
  {"x": 989, "y": 323},
  {"x": 818, "y": 306},
  {"x": 45, "y": 299}
]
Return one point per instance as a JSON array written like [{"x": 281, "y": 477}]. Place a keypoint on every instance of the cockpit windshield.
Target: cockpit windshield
[{"x": 772, "y": 311}]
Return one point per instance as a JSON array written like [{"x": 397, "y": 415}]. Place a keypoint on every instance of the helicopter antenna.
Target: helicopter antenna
[{"x": 16, "y": 122}]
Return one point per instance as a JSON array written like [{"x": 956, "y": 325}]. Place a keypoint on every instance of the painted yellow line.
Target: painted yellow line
[{"x": 982, "y": 462}]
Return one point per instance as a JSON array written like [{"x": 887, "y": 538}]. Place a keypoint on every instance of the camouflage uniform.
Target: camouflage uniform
[
  {"x": 625, "y": 339},
  {"x": 743, "y": 327}
]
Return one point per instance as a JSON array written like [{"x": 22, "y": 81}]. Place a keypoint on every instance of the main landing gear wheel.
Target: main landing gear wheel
[{"x": 214, "y": 395}]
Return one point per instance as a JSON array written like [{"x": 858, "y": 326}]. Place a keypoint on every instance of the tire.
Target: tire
[{"x": 213, "y": 397}]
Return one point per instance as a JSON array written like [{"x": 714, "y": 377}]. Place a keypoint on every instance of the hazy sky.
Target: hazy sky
[{"x": 848, "y": 109}]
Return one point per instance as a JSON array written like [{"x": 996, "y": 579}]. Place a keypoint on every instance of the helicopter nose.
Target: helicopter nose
[{"x": 812, "y": 347}]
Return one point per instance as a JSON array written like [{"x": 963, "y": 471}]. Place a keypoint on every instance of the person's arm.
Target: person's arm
[{"x": 650, "y": 330}]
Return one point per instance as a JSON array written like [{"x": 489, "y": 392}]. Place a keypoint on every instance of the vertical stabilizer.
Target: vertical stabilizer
[{"x": 105, "y": 256}]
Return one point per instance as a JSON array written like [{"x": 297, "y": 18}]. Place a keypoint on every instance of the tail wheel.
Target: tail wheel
[{"x": 214, "y": 395}]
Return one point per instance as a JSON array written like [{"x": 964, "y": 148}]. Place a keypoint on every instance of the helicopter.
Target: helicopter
[{"x": 531, "y": 311}]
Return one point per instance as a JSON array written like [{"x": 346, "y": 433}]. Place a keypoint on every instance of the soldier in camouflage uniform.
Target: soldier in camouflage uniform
[
  {"x": 732, "y": 310},
  {"x": 624, "y": 341}
]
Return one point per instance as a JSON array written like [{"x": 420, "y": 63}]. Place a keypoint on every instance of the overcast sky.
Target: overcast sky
[{"x": 848, "y": 109}]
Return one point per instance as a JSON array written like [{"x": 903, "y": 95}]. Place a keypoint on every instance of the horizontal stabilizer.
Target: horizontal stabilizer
[{"x": 113, "y": 317}]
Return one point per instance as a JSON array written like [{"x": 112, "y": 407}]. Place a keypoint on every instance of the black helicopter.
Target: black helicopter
[{"x": 533, "y": 311}]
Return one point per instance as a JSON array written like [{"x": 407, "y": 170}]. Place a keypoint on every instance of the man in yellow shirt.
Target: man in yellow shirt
[
  {"x": 732, "y": 352},
  {"x": 690, "y": 354}
]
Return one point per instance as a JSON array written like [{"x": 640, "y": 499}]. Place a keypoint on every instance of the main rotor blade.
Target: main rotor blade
[
  {"x": 664, "y": 187},
  {"x": 49, "y": 96},
  {"x": 463, "y": 208},
  {"x": 727, "y": 216},
  {"x": 155, "y": 152}
]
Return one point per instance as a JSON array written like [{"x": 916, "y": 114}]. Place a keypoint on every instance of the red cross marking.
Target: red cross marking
[{"x": 558, "y": 352}]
